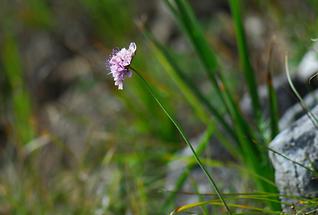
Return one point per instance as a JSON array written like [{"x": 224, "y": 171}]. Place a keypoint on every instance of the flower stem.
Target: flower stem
[{"x": 178, "y": 127}]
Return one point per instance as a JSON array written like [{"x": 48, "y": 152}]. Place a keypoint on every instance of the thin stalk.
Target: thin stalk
[
  {"x": 178, "y": 127},
  {"x": 273, "y": 106},
  {"x": 310, "y": 115},
  {"x": 209, "y": 60},
  {"x": 287, "y": 158},
  {"x": 272, "y": 97},
  {"x": 188, "y": 21},
  {"x": 183, "y": 177},
  {"x": 195, "y": 90},
  {"x": 213, "y": 202},
  {"x": 242, "y": 130}
]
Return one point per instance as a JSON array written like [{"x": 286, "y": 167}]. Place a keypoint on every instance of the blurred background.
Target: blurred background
[{"x": 71, "y": 143}]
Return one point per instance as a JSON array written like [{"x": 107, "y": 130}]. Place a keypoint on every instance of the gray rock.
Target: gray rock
[{"x": 298, "y": 142}]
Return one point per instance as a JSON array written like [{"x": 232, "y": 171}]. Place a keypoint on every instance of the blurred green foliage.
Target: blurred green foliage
[
  {"x": 112, "y": 19},
  {"x": 20, "y": 102},
  {"x": 126, "y": 172},
  {"x": 37, "y": 14}
]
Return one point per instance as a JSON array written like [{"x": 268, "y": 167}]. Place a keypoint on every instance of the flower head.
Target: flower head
[{"x": 119, "y": 63}]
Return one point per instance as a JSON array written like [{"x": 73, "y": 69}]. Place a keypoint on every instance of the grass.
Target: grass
[
  {"x": 203, "y": 142},
  {"x": 273, "y": 107},
  {"x": 124, "y": 164},
  {"x": 20, "y": 99},
  {"x": 186, "y": 140},
  {"x": 243, "y": 136},
  {"x": 244, "y": 57}
]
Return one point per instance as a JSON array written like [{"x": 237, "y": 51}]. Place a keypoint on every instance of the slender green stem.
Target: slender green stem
[
  {"x": 185, "y": 139},
  {"x": 183, "y": 177},
  {"x": 208, "y": 58},
  {"x": 245, "y": 58},
  {"x": 196, "y": 91}
]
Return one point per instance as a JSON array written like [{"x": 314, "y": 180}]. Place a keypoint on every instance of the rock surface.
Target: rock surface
[{"x": 299, "y": 143}]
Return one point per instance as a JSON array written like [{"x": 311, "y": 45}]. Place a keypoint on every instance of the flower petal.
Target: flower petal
[{"x": 132, "y": 47}]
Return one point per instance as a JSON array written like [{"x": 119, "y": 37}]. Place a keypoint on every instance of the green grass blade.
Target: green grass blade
[
  {"x": 184, "y": 175},
  {"x": 192, "y": 28},
  {"x": 20, "y": 98},
  {"x": 294, "y": 162},
  {"x": 246, "y": 140},
  {"x": 244, "y": 58},
  {"x": 272, "y": 97},
  {"x": 310, "y": 115},
  {"x": 210, "y": 179},
  {"x": 255, "y": 156},
  {"x": 172, "y": 7},
  {"x": 216, "y": 203},
  {"x": 196, "y": 36},
  {"x": 192, "y": 93},
  {"x": 169, "y": 66},
  {"x": 188, "y": 20}
]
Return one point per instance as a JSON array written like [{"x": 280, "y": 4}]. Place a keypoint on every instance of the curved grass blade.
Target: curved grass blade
[
  {"x": 212, "y": 182},
  {"x": 295, "y": 162},
  {"x": 186, "y": 85},
  {"x": 217, "y": 203},
  {"x": 192, "y": 28},
  {"x": 184, "y": 175},
  {"x": 310, "y": 115},
  {"x": 166, "y": 61},
  {"x": 254, "y": 158},
  {"x": 208, "y": 58},
  {"x": 258, "y": 195}
]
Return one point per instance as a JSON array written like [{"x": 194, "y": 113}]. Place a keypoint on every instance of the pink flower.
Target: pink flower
[{"x": 119, "y": 63}]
